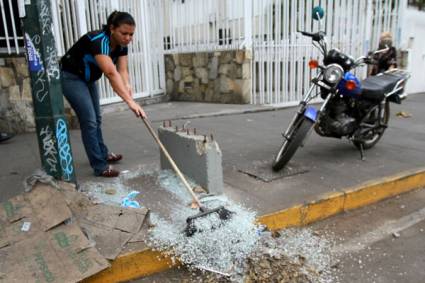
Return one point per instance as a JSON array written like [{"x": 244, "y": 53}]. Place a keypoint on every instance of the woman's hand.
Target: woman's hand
[
  {"x": 137, "y": 109},
  {"x": 128, "y": 86}
]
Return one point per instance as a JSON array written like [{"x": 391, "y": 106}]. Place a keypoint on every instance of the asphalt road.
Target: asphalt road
[{"x": 381, "y": 243}]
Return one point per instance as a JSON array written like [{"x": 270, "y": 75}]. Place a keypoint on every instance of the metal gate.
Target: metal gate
[
  {"x": 73, "y": 18},
  {"x": 267, "y": 27},
  {"x": 280, "y": 73},
  {"x": 204, "y": 25},
  {"x": 281, "y": 54}
]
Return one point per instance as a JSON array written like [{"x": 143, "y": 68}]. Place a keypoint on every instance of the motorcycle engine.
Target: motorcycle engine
[{"x": 336, "y": 122}]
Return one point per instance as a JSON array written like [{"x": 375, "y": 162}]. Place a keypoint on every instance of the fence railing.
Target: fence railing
[
  {"x": 280, "y": 63},
  {"x": 203, "y": 25},
  {"x": 387, "y": 16},
  {"x": 267, "y": 27},
  {"x": 73, "y": 18},
  {"x": 11, "y": 39}
]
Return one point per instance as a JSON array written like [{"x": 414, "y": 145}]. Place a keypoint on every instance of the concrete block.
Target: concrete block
[{"x": 199, "y": 159}]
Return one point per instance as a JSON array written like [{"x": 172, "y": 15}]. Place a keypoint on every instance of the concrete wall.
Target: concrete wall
[
  {"x": 196, "y": 156},
  {"x": 413, "y": 40},
  {"x": 221, "y": 77},
  {"x": 16, "y": 109}
]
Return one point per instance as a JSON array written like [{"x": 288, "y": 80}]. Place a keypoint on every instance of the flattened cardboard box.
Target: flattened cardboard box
[
  {"x": 49, "y": 205},
  {"x": 49, "y": 251},
  {"x": 43, "y": 208},
  {"x": 62, "y": 254},
  {"x": 112, "y": 227}
]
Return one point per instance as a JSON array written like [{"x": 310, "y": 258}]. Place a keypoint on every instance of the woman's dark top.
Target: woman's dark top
[
  {"x": 80, "y": 59},
  {"x": 385, "y": 60}
]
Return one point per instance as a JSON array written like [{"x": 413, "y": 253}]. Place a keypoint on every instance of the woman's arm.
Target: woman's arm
[
  {"x": 122, "y": 66},
  {"x": 108, "y": 68}
]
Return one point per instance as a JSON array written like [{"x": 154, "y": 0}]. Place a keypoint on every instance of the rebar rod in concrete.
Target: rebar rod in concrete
[{"x": 195, "y": 200}]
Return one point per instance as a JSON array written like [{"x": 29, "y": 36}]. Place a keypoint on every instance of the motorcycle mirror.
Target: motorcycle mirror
[{"x": 318, "y": 13}]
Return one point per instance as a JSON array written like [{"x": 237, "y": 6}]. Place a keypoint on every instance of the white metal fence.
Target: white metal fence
[
  {"x": 280, "y": 54},
  {"x": 387, "y": 16},
  {"x": 267, "y": 27},
  {"x": 11, "y": 39},
  {"x": 73, "y": 18},
  {"x": 204, "y": 25}
]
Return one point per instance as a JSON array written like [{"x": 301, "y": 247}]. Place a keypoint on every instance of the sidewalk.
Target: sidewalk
[
  {"x": 247, "y": 135},
  {"x": 254, "y": 136}
]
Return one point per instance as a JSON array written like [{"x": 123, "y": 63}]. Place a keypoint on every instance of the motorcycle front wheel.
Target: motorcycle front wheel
[
  {"x": 292, "y": 143},
  {"x": 377, "y": 134}
]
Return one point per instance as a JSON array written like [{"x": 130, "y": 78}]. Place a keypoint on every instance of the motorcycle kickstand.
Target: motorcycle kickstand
[{"x": 362, "y": 152}]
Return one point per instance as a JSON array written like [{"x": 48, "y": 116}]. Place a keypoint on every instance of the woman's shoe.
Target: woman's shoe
[
  {"x": 112, "y": 157},
  {"x": 110, "y": 172}
]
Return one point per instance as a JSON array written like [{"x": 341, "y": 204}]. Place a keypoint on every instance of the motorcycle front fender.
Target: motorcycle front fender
[{"x": 311, "y": 113}]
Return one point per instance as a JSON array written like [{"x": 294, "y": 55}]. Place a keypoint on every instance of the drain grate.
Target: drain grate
[{"x": 263, "y": 171}]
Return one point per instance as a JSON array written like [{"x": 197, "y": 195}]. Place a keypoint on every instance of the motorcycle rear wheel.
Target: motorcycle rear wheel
[
  {"x": 369, "y": 143},
  {"x": 290, "y": 146}
]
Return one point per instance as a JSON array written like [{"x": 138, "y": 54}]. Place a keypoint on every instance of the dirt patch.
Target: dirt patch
[{"x": 278, "y": 268}]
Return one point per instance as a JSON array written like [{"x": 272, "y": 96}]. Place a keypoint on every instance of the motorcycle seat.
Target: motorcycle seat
[{"x": 375, "y": 87}]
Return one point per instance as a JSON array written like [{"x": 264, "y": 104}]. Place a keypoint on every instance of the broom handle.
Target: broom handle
[{"x": 173, "y": 164}]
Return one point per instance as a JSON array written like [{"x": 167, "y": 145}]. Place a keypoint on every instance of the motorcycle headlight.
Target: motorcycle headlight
[{"x": 333, "y": 73}]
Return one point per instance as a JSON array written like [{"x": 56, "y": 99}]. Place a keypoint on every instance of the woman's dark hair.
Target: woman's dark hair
[{"x": 116, "y": 19}]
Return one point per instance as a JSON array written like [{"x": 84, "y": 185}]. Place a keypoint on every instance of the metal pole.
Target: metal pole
[{"x": 51, "y": 125}]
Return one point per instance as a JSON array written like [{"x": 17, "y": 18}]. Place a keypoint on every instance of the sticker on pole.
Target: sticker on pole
[{"x": 34, "y": 59}]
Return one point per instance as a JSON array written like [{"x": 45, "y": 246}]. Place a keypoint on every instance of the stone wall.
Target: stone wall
[
  {"x": 221, "y": 77},
  {"x": 16, "y": 110},
  {"x": 16, "y": 107}
]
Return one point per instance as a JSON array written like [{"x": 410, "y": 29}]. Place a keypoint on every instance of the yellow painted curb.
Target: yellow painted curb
[
  {"x": 355, "y": 197},
  {"x": 285, "y": 218},
  {"x": 372, "y": 192},
  {"x": 136, "y": 265},
  {"x": 329, "y": 205},
  {"x": 132, "y": 266}
]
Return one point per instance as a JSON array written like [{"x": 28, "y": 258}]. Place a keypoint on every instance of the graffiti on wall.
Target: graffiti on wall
[
  {"x": 49, "y": 149},
  {"x": 64, "y": 147}
]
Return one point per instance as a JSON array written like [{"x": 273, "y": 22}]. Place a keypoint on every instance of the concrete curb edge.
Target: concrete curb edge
[{"x": 136, "y": 265}]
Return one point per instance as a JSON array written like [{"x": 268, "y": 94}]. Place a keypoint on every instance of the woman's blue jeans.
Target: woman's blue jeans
[{"x": 84, "y": 99}]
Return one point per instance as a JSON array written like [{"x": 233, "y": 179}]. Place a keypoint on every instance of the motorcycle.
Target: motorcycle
[{"x": 357, "y": 110}]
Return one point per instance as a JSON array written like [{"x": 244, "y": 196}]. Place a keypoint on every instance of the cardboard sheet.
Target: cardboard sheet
[
  {"x": 62, "y": 254},
  {"x": 112, "y": 227}
]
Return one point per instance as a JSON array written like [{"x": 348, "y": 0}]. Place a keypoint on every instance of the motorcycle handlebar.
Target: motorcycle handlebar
[
  {"x": 363, "y": 60},
  {"x": 369, "y": 59},
  {"x": 317, "y": 36},
  {"x": 305, "y": 33}
]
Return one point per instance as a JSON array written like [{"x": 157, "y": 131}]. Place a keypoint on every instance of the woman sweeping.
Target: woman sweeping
[{"x": 96, "y": 53}]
